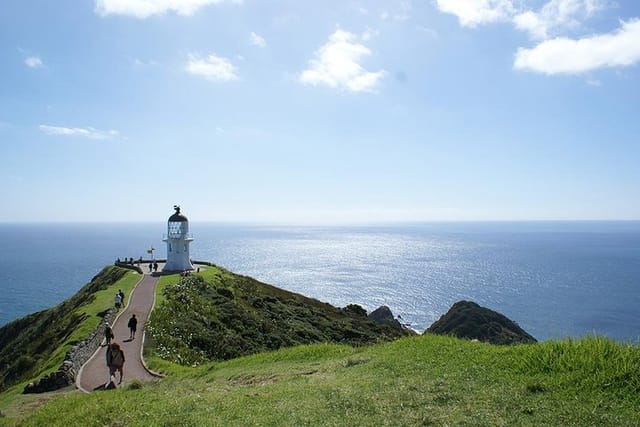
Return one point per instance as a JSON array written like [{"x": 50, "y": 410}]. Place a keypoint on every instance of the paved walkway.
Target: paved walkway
[{"x": 94, "y": 374}]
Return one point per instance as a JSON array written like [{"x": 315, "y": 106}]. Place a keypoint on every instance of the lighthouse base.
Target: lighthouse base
[{"x": 175, "y": 267}]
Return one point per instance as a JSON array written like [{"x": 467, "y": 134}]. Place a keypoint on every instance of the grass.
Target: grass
[
  {"x": 425, "y": 380},
  {"x": 79, "y": 316},
  {"x": 218, "y": 315},
  {"x": 90, "y": 312},
  {"x": 421, "y": 380}
]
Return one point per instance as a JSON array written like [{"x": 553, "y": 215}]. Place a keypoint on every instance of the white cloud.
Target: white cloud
[
  {"x": 337, "y": 65},
  {"x": 137, "y": 62},
  {"x": 145, "y": 8},
  {"x": 426, "y": 30},
  {"x": 368, "y": 34},
  {"x": 573, "y": 56},
  {"x": 400, "y": 11},
  {"x": 257, "y": 40},
  {"x": 556, "y": 16},
  {"x": 87, "y": 132},
  {"x": 213, "y": 67},
  {"x": 34, "y": 62},
  {"x": 471, "y": 13}
]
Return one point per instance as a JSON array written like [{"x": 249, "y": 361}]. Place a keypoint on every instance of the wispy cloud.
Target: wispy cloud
[
  {"x": 137, "y": 62},
  {"x": 84, "y": 132},
  {"x": 574, "y": 56},
  {"x": 145, "y": 8},
  {"x": 399, "y": 12},
  {"x": 551, "y": 19},
  {"x": 34, "y": 62},
  {"x": 556, "y": 16},
  {"x": 213, "y": 67},
  {"x": 472, "y": 13},
  {"x": 337, "y": 64},
  {"x": 556, "y": 53},
  {"x": 257, "y": 40}
]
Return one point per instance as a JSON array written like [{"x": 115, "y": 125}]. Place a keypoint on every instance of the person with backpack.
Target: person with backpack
[
  {"x": 108, "y": 333},
  {"x": 115, "y": 362}
]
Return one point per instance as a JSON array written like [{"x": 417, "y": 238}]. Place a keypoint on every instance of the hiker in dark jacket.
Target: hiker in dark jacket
[
  {"x": 108, "y": 334},
  {"x": 133, "y": 324},
  {"x": 115, "y": 361}
]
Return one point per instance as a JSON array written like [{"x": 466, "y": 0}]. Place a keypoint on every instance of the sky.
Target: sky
[{"x": 327, "y": 112}]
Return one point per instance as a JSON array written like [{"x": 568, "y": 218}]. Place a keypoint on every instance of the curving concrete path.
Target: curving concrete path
[{"x": 94, "y": 374}]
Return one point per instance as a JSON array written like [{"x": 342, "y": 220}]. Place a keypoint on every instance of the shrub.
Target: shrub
[{"x": 231, "y": 316}]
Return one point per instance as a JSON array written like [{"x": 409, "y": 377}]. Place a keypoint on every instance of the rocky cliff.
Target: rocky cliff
[{"x": 466, "y": 319}]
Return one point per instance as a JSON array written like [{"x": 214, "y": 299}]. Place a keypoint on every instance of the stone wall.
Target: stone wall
[
  {"x": 73, "y": 360},
  {"x": 135, "y": 267}
]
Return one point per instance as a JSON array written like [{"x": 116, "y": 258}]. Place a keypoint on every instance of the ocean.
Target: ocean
[{"x": 555, "y": 279}]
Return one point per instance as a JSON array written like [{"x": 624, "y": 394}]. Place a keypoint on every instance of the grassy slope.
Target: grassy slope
[
  {"x": 221, "y": 315},
  {"x": 79, "y": 314},
  {"x": 426, "y": 380}
]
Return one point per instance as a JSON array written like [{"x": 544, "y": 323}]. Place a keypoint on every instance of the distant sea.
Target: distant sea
[{"x": 555, "y": 279}]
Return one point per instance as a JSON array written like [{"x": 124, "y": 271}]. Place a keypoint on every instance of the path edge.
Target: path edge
[
  {"x": 79, "y": 375},
  {"x": 144, "y": 337}
]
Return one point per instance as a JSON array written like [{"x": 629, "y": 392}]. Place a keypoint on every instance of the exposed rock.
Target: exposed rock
[
  {"x": 466, "y": 319},
  {"x": 384, "y": 315},
  {"x": 53, "y": 381}
]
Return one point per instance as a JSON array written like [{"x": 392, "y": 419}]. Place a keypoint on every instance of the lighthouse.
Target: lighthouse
[{"x": 178, "y": 239}]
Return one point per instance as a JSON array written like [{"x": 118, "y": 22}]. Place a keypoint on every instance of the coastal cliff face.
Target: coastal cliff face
[
  {"x": 466, "y": 319},
  {"x": 224, "y": 315}
]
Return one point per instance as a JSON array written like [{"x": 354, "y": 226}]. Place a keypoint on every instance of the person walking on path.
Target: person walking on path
[
  {"x": 108, "y": 333},
  {"x": 133, "y": 324},
  {"x": 118, "y": 301},
  {"x": 91, "y": 376},
  {"x": 115, "y": 362},
  {"x": 121, "y": 295}
]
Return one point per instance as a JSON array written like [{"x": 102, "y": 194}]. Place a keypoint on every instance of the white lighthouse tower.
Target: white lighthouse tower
[{"x": 178, "y": 239}]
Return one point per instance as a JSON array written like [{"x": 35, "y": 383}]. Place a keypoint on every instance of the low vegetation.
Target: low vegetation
[
  {"x": 425, "y": 380},
  {"x": 220, "y": 315},
  {"x": 466, "y": 319},
  {"x": 418, "y": 380},
  {"x": 36, "y": 344}
]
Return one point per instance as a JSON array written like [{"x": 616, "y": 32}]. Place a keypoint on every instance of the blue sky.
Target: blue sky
[{"x": 319, "y": 112}]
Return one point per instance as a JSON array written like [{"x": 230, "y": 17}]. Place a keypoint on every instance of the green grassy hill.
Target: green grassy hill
[
  {"x": 425, "y": 380},
  {"x": 219, "y": 315},
  {"x": 416, "y": 380},
  {"x": 36, "y": 344}
]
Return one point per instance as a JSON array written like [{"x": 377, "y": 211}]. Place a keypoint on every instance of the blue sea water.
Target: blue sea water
[{"x": 556, "y": 279}]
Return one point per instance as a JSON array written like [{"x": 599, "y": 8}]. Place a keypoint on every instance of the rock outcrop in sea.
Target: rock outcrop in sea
[
  {"x": 466, "y": 319},
  {"x": 383, "y": 315}
]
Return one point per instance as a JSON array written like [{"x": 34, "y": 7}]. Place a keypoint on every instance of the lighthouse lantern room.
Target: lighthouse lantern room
[{"x": 178, "y": 239}]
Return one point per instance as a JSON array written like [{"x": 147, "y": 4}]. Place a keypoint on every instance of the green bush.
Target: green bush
[{"x": 228, "y": 316}]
